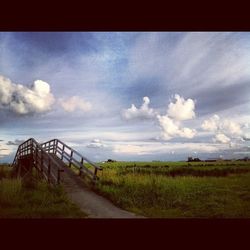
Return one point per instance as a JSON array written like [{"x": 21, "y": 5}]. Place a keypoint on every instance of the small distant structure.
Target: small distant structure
[
  {"x": 191, "y": 159},
  {"x": 111, "y": 160}
]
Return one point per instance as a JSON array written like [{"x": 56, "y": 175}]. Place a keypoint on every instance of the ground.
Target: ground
[{"x": 149, "y": 189}]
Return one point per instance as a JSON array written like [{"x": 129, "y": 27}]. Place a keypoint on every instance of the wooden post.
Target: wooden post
[
  {"x": 32, "y": 153},
  {"x": 55, "y": 148},
  {"x": 80, "y": 170},
  {"x": 70, "y": 160},
  {"x": 32, "y": 156},
  {"x": 49, "y": 171},
  {"x": 62, "y": 152}
]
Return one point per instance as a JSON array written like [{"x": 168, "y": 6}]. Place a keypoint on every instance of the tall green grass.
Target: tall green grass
[
  {"x": 26, "y": 198},
  {"x": 185, "y": 170},
  {"x": 187, "y": 194},
  {"x": 4, "y": 171}
]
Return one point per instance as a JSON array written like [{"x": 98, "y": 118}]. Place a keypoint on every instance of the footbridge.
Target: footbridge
[{"x": 51, "y": 159}]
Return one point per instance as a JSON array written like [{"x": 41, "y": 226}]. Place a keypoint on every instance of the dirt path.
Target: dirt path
[{"x": 91, "y": 203}]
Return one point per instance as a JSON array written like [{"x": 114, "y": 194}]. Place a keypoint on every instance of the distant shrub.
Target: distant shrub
[{"x": 110, "y": 160}]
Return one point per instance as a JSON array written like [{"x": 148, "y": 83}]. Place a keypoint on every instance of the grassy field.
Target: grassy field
[
  {"x": 33, "y": 199},
  {"x": 152, "y": 189},
  {"x": 178, "y": 189}
]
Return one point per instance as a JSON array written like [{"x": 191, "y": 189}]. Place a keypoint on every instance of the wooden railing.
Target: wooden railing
[
  {"x": 43, "y": 159},
  {"x": 71, "y": 157},
  {"x": 49, "y": 168}
]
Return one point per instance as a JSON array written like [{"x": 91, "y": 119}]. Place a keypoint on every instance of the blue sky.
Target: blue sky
[{"x": 127, "y": 95}]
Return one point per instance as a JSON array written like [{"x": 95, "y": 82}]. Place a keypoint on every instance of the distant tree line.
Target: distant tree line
[{"x": 193, "y": 159}]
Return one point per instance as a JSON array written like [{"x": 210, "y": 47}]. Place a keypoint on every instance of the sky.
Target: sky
[{"x": 134, "y": 96}]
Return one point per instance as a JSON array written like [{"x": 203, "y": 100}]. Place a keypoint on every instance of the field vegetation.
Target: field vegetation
[
  {"x": 152, "y": 189},
  {"x": 178, "y": 189},
  {"x": 32, "y": 198}
]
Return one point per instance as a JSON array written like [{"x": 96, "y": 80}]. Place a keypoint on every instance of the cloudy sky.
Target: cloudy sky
[{"x": 127, "y": 96}]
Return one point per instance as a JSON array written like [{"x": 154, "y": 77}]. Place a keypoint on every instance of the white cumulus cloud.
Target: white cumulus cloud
[
  {"x": 170, "y": 123},
  {"x": 211, "y": 124},
  {"x": 171, "y": 129},
  {"x": 75, "y": 102},
  {"x": 220, "y": 126},
  {"x": 144, "y": 112},
  {"x": 224, "y": 130},
  {"x": 231, "y": 127},
  {"x": 181, "y": 109},
  {"x": 177, "y": 111},
  {"x": 23, "y": 100},
  {"x": 221, "y": 138}
]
